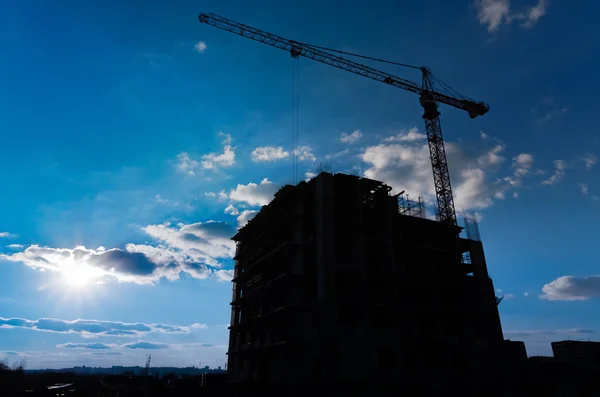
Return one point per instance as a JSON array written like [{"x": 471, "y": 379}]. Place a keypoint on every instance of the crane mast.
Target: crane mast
[
  {"x": 147, "y": 367},
  {"x": 429, "y": 98},
  {"x": 437, "y": 152}
]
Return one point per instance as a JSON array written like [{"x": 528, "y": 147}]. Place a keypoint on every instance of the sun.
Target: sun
[
  {"x": 79, "y": 275},
  {"x": 76, "y": 282}
]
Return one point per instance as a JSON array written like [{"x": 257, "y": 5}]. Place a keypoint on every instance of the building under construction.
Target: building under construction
[{"x": 337, "y": 280}]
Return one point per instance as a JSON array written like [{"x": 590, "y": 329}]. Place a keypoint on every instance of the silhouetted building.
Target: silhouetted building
[
  {"x": 335, "y": 281},
  {"x": 578, "y": 352},
  {"x": 547, "y": 376},
  {"x": 515, "y": 350}
]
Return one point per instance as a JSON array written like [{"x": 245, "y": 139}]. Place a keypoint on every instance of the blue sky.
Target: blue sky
[{"x": 136, "y": 140}]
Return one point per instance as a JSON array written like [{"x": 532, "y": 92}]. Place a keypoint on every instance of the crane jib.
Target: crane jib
[{"x": 429, "y": 98}]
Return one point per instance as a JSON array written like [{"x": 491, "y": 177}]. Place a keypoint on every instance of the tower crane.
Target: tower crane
[
  {"x": 429, "y": 97},
  {"x": 147, "y": 367}
]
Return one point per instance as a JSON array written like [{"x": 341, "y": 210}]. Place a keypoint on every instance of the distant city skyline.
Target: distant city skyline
[{"x": 118, "y": 369}]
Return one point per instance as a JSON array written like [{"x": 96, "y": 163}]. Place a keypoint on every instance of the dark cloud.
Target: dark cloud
[
  {"x": 214, "y": 229},
  {"x": 132, "y": 263},
  {"x": 549, "y": 332},
  {"x": 96, "y": 327},
  {"x": 100, "y": 263}
]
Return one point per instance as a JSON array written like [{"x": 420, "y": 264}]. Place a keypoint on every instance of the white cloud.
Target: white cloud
[
  {"x": 255, "y": 194},
  {"x": 534, "y": 14},
  {"x": 202, "y": 242},
  {"x": 200, "y": 46},
  {"x": 211, "y": 161},
  {"x": 548, "y": 113},
  {"x": 509, "y": 296},
  {"x": 571, "y": 288},
  {"x": 245, "y": 216},
  {"x": 161, "y": 200},
  {"x": 144, "y": 345},
  {"x": 521, "y": 166},
  {"x": 210, "y": 194},
  {"x": 584, "y": 188},
  {"x": 226, "y": 138},
  {"x": 225, "y": 159},
  {"x": 559, "y": 172},
  {"x": 196, "y": 249},
  {"x": 309, "y": 175},
  {"x": 525, "y": 293},
  {"x": 91, "y": 346},
  {"x": 492, "y": 157},
  {"x": 223, "y": 195},
  {"x": 304, "y": 153},
  {"x": 350, "y": 138},
  {"x": 186, "y": 164},
  {"x": 269, "y": 153},
  {"x": 224, "y": 275},
  {"x": 91, "y": 327},
  {"x": 407, "y": 167},
  {"x": 483, "y": 135},
  {"x": 515, "y": 195},
  {"x": 494, "y": 13},
  {"x": 589, "y": 160},
  {"x": 91, "y": 263},
  {"x": 500, "y": 192},
  {"x": 15, "y": 246},
  {"x": 231, "y": 210},
  {"x": 411, "y": 135},
  {"x": 471, "y": 191},
  {"x": 7, "y": 235},
  {"x": 337, "y": 154}
]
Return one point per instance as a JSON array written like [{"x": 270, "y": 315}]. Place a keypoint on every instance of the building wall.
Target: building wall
[
  {"x": 582, "y": 353},
  {"x": 366, "y": 293}
]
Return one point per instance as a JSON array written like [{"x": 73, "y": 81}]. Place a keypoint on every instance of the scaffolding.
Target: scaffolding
[
  {"x": 409, "y": 207},
  {"x": 375, "y": 189}
]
